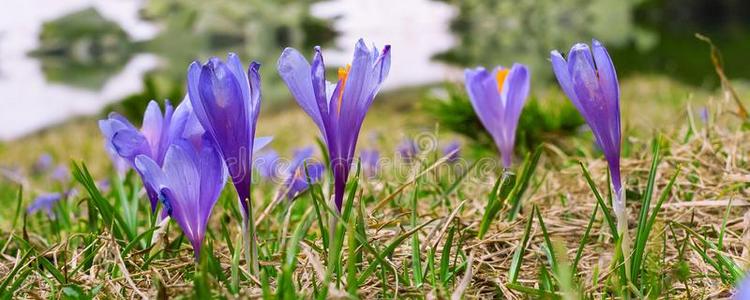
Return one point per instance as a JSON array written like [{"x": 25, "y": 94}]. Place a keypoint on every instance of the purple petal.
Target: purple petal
[
  {"x": 606, "y": 71},
  {"x": 560, "y": 68},
  {"x": 296, "y": 73},
  {"x": 44, "y": 202},
  {"x": 152, "y": 124},
  {"x": 261, "y": 142}
]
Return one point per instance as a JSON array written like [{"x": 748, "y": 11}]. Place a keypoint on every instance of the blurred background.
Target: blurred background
[{"x": 65, "y": 63}]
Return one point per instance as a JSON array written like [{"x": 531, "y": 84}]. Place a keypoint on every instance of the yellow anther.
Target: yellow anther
[
  {"x": 343, "y": 75},
  {"x": 500, "y": 77}
]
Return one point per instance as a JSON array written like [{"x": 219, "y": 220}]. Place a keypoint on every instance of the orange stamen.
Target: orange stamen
[
  {"x": 500, "y": 77},
  {"x": 343, "y": 75}
]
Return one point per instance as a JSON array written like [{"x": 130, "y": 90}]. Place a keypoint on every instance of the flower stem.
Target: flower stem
[
  {"x": 622, "y": 227},
  {"x": 251, "y": 247}
]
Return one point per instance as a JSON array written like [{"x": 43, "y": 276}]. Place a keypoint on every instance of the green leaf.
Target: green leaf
[
  {"x": 504, "y": 184},
  {"x": 605, "y": 209},
  {"x": 529, "y": 167},
  {"x": 515, "y": 265}
]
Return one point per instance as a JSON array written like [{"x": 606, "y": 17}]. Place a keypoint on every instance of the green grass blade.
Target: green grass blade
[
  {"x": 380, "y": 256},
  {"x": 19, "y": 265},
  {"x": 515, "y": 265},
  {"x": 495, "y": 201},
  {"x": 416, "y": 257},
  {"x": 19, "y": 201},
  {"x": 584, "y": 239},
  {"x": 550, "y": 248},
  {"x": 600, "y": 200},
  {"x": 642, "y": 233},
  {"x": 136, "y": 240},
  {"x": 445, "y": 256},
  {"x": 529, "y": 167},
  {"x": 460, "y": 180}
]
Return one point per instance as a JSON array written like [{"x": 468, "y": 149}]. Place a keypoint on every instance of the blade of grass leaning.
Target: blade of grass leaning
[
  {"x": 498, "y": 194},
  {"x": 445, "y": 255},
  {"x": 286, "y": 289},
  {"x": 547, "y": 241},
  {"x": 20, "y": 264},
  {"x": 647, "y": 225},
  {"x": 459, "y": 180},
  {"x": 112, "y": 218},
  {"x": 641, "y": 233},
  {"x": 605, "y": 209},
  {"x": 351, "y": 259},
  {"x": 416, "y": 256},
  {"x": 532, "y": 292},
  {"x": 735, "y": 272},
  {"x": 234, "y": 267},
  {"x": 515, "y": 265},
  {"x": 136, "y": 240},
  {"x": 527, "y": 171},
  {"x": 584, "y": 239},
  {"x": 380, "y": 256},
  {"x": 19, "y": 201}
]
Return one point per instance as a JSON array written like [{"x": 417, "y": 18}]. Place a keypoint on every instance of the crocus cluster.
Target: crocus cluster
[
  {"x": 337, "y": 109},
  {"x": 125, "y": 142},
  {"x": 498, "y": 98}
]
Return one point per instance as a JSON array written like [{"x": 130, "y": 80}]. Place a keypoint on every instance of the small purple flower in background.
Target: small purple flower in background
[
  {"x": 370, "y": 160},
  {"x": 188, "y": 184},
  {"x": 453, "y": 149},
  {"x": 297, "y": 175},
  {"x": 337, "y": 109},
  {"x": 45, "y": 202},
  {"x": 103, "y": 185},
  {"x": 498, "y": 98},
  {"x": 589, "y": 80},
  {"x": 42, "y": 164},
  {"x": 704, "y": 114},
  {"x": 408, "y": 149},
  {"x": 267, "y": 165},
  {"x": 226, "y": 101},
  {"x": 742, "y": 291},
  {"x": 61, "y": 174}
]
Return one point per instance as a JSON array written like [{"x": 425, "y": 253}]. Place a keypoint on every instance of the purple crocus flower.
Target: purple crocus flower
[
  {"x": 226, "y": 101},
  {"x": 337, "y": 109},
  {"x": 589, "y": 80},
  {"x": 299, "y": 169},
  {"x": 42, "y": 164},
  {"x": 61, "y": 174},
  {"x": 188, "y": 184},
  {"x": 704, "y": 114},
  {"x": 45, "y": 202},
  {"x": 153, "y": 139},
  {"x": 408, "y": 149},
  {"x": 267, "y": 165},
  {"x": 370, "y": 160},
  {"x": 498, "y": 98},
  {"x": 453, "y": 149}
]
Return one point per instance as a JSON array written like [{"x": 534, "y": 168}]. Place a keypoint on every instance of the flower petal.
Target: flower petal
[{"x": 296, "y": 73}]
